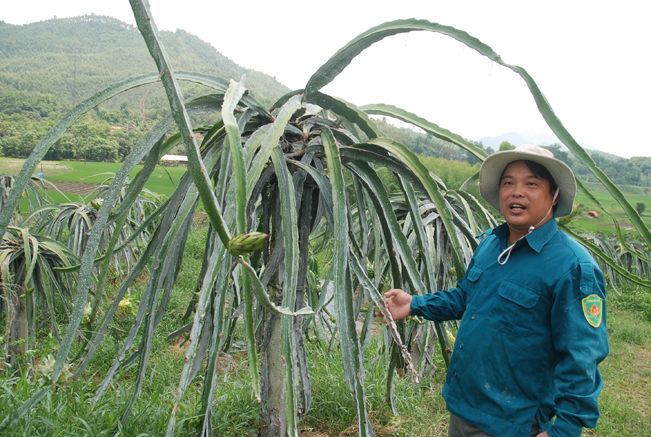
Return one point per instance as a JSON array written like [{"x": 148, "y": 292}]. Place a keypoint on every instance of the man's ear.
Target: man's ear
[{"x": 555, "y": 195}]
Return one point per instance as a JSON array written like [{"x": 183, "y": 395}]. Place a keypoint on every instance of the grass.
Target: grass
[
  {"x": 422, "y": 410},
  {"x": 625, "y": 401},
  {"x": 603, "y": 223},
  {"x": 162, "y": 181}
]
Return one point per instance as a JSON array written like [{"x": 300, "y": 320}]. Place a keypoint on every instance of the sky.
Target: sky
[{"x": 589, "y": 58}]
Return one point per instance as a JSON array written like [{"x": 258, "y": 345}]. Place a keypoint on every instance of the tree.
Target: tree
[
  {"x": 559, "y": 153},
  {"x": 505, "y": 145},
  {"x": 640, "y": 207}
]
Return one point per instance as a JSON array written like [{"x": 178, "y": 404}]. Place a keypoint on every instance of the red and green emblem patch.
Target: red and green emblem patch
[{"x": 593, "y": 308}]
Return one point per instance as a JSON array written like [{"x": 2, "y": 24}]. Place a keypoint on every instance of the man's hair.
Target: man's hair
[{"x": 541, "y": 172}]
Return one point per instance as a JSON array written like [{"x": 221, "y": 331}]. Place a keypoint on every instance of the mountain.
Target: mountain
[
  {"x": 72, "y": 58},
  {"x": 527, "y": 137}
]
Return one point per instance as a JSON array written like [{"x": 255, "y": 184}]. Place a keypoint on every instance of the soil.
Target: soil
[
  {"x": 51, "y": 168},
  {"x": 179, "y": 346},
  {"x": 71, "y": 187},
  {"x": 201, "y": 219},
  {"x": 625, "y": 225}
]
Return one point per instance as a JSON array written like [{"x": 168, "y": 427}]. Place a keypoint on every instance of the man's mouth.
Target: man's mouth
[{"x": 517, "y": 207}]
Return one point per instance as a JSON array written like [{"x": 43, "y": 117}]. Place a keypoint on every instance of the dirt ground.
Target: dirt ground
[
  {"x": 71, "y": 187},
  {"x": 51, "y": 167}
]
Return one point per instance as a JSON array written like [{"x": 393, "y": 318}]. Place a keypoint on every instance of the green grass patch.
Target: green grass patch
[
  {"x": 421, "y": 409},
  {"x": 162, "y": 181},
  {"x": 165, "y": 179},
  {"x": 603, "y": 223},
  {"x": 624, "y": 402},
  {"x": 637, "y": 302}
]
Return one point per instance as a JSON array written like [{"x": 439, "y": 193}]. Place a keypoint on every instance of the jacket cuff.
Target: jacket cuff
[
  {"x": 416, "y": 302},
  {"x": 563, "y": 428}
]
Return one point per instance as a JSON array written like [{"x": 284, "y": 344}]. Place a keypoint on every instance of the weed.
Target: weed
[
  {"x": 67, "y": 411},
  {"x": 635, "y": 302}
]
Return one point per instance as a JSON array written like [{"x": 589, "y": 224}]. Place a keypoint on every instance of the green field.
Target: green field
[
  {"x": 604, "y": 223},
  {"x": 164, "y": 180},
  {"x": 624, "y": 402}
]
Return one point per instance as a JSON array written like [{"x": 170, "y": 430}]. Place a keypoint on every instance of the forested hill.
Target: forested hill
[
  {"x": 70, "y": 59},
  {"x": 49, "y": 66}
]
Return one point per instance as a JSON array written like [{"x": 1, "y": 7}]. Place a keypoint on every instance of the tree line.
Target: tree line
[
  {"x": 102, "y": 135},
  {"x": 47, "y": 67},
  {"x": 634, "y": 171}
]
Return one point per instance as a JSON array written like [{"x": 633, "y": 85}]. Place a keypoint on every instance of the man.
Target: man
[{"x": 532, "y": 311}]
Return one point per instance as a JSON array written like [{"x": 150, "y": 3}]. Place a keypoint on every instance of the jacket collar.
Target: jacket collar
[
  {"x": 537, "y": 239},
  {"x": 541, "y": 236}
]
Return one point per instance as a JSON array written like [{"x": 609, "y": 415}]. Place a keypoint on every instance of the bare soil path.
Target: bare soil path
[
  {"x": 71, "y": 187},
  {"x": 8, "y": 165}
]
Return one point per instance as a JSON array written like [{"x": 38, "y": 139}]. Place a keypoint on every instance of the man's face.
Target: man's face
[{"x": 525, "y": 198}]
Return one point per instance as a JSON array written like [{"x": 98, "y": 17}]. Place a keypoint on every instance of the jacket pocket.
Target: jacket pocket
[
  {"x": 474, "y": 274},
  {"x": 514, "y": 309}
]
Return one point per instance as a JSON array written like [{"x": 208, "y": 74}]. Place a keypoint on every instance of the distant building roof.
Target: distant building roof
[{"x": 181, "y": 158}]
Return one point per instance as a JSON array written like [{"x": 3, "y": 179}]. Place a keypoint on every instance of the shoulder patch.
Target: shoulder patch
[{"x": 593, "y": 308}]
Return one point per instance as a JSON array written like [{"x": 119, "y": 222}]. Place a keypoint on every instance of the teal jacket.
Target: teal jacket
[{"x": 532, "y": 333}]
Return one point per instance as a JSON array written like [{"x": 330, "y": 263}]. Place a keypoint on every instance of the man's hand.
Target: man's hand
[
  {"x": 544, "y": 434},
  {"x": 399, "y": 304}
]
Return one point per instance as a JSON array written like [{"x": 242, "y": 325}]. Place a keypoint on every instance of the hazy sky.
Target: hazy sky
[{"x": 590, "y": 58}]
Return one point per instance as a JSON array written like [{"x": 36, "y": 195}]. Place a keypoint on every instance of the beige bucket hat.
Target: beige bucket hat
[{"x": 493, "y": 167}]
